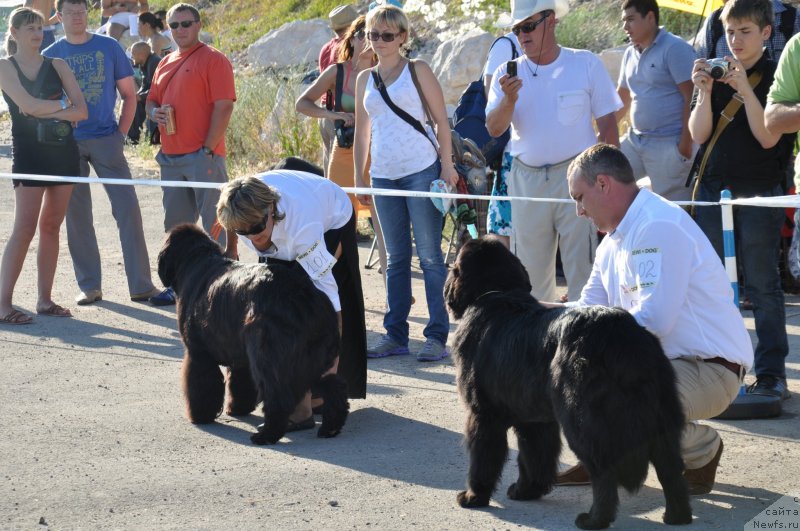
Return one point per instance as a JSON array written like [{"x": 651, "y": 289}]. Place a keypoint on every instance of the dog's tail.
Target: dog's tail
[{"x": 333, "y": 390}]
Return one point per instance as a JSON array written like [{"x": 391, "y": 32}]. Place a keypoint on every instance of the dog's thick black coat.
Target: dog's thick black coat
[
  {"x": 592, "y": 371},
  {"x": 274, "y": 331}
]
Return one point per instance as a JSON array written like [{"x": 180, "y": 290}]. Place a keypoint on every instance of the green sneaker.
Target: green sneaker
[
  {"x": 432, "y": 350},
  {"x": 387, "y": 347}
]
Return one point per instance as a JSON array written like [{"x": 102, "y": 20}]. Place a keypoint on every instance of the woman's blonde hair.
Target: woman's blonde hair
[
  {"x": 244, "y": 202},
  {"x": 21, "y": 16},
  {"x": 346, "y": 48},
  {"x": 391, "y": 16}
]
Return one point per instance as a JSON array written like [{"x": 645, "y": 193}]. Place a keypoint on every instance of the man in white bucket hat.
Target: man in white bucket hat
[{"x": 551, "y": 105}]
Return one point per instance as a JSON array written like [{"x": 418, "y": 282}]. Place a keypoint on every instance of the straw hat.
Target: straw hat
[
  {"x": 342, "y": 16},
  {"x": 522, "y": 9}
]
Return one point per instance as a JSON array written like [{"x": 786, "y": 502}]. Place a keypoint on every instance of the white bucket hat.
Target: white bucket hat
[{"x": 522, "y": 9}]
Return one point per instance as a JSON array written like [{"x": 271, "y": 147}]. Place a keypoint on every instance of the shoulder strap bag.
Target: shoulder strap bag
[
  {"x": 410, "y": 120},
  {"x": 177, "y": 69}
]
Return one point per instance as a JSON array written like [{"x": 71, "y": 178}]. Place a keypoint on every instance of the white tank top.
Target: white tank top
[{"x": 397, "y": 149}]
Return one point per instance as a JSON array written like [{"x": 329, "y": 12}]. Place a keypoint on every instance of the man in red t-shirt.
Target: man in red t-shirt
[
  {"x": 339, "y": 19},
  {"x": 197, "y": 82}
]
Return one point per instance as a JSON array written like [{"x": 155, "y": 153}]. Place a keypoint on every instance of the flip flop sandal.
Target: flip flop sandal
[
  {"x": 54, "y": 310},
  {"x": 16, "y": 317}
]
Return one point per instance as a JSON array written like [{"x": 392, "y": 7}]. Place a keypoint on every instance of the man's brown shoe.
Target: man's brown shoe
[
  {"x": 701, "y": 480},
  {"x": 573, "y": 476}
]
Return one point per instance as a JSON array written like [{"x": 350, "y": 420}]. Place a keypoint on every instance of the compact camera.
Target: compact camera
[
  {"x": 717, "y": 68},
  {"x": 344, "y": 134},
  {"x": 53, "y": 132}
]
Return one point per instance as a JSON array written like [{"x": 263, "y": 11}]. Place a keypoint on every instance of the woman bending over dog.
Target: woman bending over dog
[{"x": 296, "y": 217}]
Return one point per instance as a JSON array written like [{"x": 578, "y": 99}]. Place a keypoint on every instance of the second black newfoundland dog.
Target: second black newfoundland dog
[
  {"x": 592, "y": 371},
  {"x": 268, "y": 324}
]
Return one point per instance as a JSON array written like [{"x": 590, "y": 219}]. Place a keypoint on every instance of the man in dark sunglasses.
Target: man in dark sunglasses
[
  {"x": 552, "y": 104},
  {"x": 193, "y": 89}
]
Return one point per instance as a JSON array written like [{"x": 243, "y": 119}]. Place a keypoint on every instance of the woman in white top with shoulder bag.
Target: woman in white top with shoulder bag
[{"x": 404, "y": 157}]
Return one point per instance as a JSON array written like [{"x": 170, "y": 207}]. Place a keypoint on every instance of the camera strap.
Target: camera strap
[
  {"x": 337, "y": 98},
  {"x": 178, "y": 68},
  {"x": 725, "y": 117}
]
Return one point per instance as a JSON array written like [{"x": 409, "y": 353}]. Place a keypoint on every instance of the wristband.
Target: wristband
[{"x": 63, "y": 102}]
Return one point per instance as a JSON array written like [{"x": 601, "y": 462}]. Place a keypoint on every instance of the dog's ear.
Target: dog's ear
[
  {"x": 166, "y": 261},
  {"x": 465, "y": 281}
]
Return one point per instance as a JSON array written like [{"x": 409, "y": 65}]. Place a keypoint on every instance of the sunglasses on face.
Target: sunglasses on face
[
  {"x": 360, "y": 34},
  {"x": 385, "y": 36},
  {"x": 530, "y": 26},
  {"x": 257, "y": 228},
  {"x": 182, "y": 24}
]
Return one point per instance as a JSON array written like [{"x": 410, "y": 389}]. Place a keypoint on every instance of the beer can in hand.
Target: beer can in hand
[{"x": 170, "y": 127}]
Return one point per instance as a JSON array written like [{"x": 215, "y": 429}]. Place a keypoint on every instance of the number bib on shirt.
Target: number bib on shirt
[
  {"x": 645, "y": 273},
  {"x": 317, "y": 261}
]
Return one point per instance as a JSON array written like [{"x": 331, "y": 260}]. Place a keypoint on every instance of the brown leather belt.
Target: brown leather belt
[{"x": 735, "y": 368}]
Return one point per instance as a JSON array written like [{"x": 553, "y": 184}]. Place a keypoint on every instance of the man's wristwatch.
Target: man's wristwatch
[{"x": 207, "y": 150}]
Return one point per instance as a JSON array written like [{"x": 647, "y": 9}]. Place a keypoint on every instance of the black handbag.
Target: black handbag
[{"x": 344, "y": 133}]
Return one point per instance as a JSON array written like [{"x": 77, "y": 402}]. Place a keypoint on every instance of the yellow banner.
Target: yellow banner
[{"x": 698, "y": 7}]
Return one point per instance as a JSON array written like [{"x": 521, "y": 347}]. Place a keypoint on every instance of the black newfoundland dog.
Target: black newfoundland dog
[
  {"x": 592, "y": 371},
  {"x": 274, "y": 331}
]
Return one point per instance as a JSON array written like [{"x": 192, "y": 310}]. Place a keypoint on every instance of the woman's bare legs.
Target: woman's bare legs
[
  {"x": 54, "y": 208},
  {"x": 27, "y": 205}
]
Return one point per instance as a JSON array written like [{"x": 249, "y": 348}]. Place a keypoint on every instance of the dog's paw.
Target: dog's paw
[
  {"x": 467, "y": 498},
  {"x": 517, "y": 492},
  {"x": 265, "y": 437},
  {"x": 238, "y": 411},
  {"x": 586, "y": 521},
  {"x": 682, "y": 517},
  {"x": 325, "y": 432}
]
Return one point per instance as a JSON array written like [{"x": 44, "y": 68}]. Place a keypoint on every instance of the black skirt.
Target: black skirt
[{"x": 353, "y": 345}]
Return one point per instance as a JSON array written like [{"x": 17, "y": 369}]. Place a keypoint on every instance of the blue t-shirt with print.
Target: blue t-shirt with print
[{"x": 98, "y": 64}]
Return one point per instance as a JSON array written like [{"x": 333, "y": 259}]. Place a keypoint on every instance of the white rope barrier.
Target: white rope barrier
[
  {"x": 349, "y": 189},
  {"x": 787, "y": 201}
]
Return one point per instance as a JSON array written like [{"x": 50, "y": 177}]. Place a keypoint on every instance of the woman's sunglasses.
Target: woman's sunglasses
[
  {"x": 530, "y": 26},
  {"x": 255, "y": 229},
  {"x": 385, "y": 36},
  {"x": 360, "y": 34},
  {"x": 182, "y": 24}
]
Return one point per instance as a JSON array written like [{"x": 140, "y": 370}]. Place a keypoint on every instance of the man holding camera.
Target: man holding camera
[
  {"x": 742, "y": 155},
  {"x": 552, "y": 103},
  {"x": 102, "y": 69},
  {"x": 192, "y": 92}
]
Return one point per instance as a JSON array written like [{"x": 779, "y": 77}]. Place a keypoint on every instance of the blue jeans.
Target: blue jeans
[
  {"x": 397, "y": 215},
  {"x": 757, "y": 231}
]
